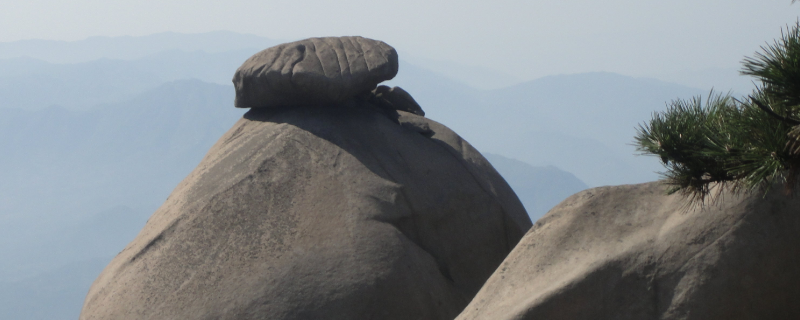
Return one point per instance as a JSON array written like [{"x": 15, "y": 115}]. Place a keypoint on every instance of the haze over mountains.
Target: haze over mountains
[
  {"x": 31, "y": 84},
  {"x": 96, "y": 133},
  {"x": 582, "y": 123},
  {"x": 129, "y": 48}
]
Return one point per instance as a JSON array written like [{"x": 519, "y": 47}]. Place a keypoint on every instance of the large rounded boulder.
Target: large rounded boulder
[
  {"x": 633, "y": 252},
  {"x": 329, "y": 212},
  {"x": 314, "y": 71}
]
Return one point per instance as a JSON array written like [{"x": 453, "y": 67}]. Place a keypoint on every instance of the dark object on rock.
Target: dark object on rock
[
  {"x": 315, "y": 71},
  {"x": 632, "y": 252},
  {"x": 319, "y": 213},
  {"x": 398, "y": 99}
]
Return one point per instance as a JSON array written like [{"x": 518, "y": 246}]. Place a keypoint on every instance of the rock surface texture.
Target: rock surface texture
[
  {"x": 632, "y": 252},
  {"x": 319, "y": 213},
  {"x": 315, "y": 71}
]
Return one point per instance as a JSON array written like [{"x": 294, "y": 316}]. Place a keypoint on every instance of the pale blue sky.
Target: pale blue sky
[{"x": 527, "y": 39}]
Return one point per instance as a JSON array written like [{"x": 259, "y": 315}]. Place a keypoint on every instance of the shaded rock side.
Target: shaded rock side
[
  {"x": 315, "y": 71},
  {"x": 319, "y": 213},
  {"x": 396, "y": 99},
  {"x": 632, "y": 252}
]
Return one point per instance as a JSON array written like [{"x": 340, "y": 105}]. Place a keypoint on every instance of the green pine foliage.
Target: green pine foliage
[
  {"x": 743, "y": 145},
  {"x": 778, "y": 69}
]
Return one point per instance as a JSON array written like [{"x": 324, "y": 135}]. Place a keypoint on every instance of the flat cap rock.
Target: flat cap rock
[{"x": 315, "y": 71}]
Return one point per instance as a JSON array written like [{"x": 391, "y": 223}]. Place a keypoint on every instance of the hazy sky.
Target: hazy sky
[{"x": 525, "y": 38}]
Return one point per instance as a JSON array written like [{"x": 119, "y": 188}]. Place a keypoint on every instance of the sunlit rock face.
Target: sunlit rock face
[
  {"x": 344, "y": 210},
  {"x": 633, "y": 252}
]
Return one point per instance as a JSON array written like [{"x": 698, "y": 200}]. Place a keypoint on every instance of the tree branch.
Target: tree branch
[{"x": 773, "y": 114}]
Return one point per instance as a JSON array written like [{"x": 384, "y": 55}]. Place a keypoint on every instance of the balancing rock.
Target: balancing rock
[{"x": 315, "y": 71}]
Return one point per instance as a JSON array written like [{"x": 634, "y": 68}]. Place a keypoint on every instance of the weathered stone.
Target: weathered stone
[
  {"x": 315, "y": 71},
  {"x": 632, "y": 252},
  {"x": 398, "y": 99},
  {"x": 319, "y": 213}
]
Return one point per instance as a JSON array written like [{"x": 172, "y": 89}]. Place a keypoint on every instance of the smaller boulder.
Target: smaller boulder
[
  {"x": 398, "y": 99},
  {"x": 315, "y": 71}
]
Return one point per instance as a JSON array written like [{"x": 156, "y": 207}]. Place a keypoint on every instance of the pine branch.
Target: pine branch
[{"x": 773, "y": 114}]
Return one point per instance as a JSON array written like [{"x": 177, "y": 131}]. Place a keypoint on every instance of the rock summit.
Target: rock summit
[
  {"x": 315, "y": 71},
  {"x": 317, "y": 205}
]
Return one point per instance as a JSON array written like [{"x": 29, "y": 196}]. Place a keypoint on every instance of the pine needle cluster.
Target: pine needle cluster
[{"x": 743, "y": 145}]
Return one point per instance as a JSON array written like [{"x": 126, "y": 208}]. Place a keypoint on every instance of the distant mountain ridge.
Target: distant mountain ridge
[
  {"x": 539, "y": 188},
  {"x": 129, "y": 47},
  {"x": 552, "y": 121},
  {"x": 32, "y": 84},
  {"x": 61, "y": 165},
  {"x": 581, "y": 123},
  {"x": 557, "y": 103}
]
